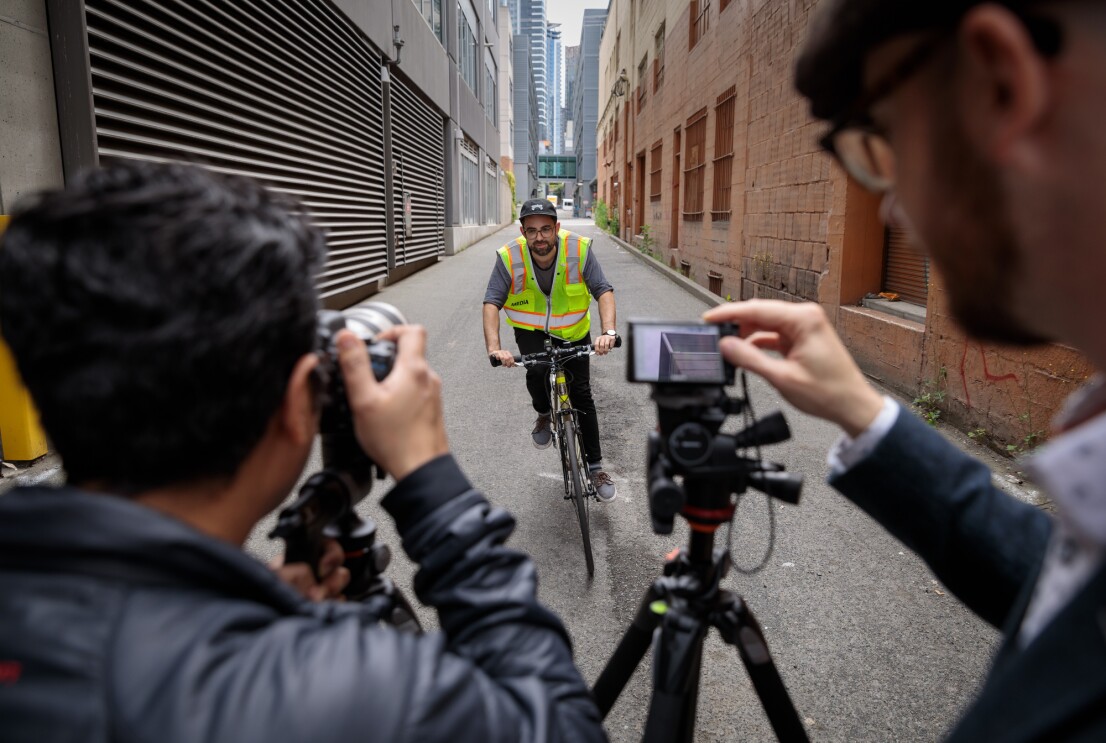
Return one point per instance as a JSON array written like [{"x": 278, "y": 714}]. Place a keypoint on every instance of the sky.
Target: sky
[{"x": 570, "y": 14}]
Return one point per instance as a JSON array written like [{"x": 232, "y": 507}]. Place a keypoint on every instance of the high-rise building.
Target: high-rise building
[
  {"x": 528, "y": 19},
  {"x": 555, "y": 132},
  {"x": 526, "y": 126},
  {"x": 585, "y": 106}
]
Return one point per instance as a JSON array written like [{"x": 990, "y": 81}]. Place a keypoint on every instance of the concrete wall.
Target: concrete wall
[{"x": 30, "y": 151}]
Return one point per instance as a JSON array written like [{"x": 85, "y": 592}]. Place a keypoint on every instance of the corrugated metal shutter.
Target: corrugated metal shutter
[
  {"x": 418, "y": 157},
  {"x": 905, "y": 268},
  {"x": 285, "y": 91}
]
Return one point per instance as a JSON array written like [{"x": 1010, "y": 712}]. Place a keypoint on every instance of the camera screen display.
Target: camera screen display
[{"x": 671, "y": 353}]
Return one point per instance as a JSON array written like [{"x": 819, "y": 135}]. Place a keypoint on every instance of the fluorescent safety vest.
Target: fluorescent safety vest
[{"x": 565, "y": 314}]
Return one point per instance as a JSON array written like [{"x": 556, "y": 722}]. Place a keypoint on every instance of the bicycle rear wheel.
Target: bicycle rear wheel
[{"x": 579, "y": 490}]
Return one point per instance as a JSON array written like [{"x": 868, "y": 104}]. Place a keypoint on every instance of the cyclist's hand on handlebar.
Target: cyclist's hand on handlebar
[
  {"x": 398, "y": 421},
  {"x": 505, "y": 357},
  {"x": 603, "y": 344}
]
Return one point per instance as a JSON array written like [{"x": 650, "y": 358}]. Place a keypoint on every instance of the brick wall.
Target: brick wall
[{"x": 798, "y": 228}]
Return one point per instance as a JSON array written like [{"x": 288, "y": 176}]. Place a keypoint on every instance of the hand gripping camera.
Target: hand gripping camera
[{"x": 325, "y": 506}]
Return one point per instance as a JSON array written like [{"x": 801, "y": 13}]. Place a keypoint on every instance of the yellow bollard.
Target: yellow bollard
[{"x": 21, "y": 436}]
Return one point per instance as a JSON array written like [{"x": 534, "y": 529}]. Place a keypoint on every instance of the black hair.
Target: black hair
[{"x": 155, "y": 312}]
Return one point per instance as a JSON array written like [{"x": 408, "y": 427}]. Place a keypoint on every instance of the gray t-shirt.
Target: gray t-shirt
[{"x": 499, "y": 285}]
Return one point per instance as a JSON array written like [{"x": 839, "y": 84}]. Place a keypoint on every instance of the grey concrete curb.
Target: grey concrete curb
[{"x": 700, "y": 292}]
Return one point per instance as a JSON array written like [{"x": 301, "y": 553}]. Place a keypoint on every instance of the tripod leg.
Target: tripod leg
[
  {"x": 631, "y": 649},
  {"x": 739, "y": 628},
  {"x": 676, "y": 665}
]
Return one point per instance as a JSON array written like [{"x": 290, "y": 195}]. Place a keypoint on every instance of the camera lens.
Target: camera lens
[{"x": 372, "y": 318}]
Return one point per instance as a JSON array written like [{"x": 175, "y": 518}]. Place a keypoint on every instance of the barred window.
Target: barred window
[
  {"x": 491, "y": 192},
  {"x": 655, "y": 172},
  {"x": 642, "y": 69},
  {"x": 470, "y": 182},
  {"x": 695, "y": 165},
  {"x": 723, "y": 154}
]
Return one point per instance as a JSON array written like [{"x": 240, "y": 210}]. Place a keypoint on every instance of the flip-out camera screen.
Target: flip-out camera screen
[{"x": 672, "y": 353}]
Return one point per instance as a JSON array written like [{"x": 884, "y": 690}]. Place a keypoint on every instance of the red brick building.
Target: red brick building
[{"x": 705, "y": 146}]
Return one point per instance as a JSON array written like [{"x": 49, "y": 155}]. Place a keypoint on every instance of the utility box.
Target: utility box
[{"x": 21, "y": 437}]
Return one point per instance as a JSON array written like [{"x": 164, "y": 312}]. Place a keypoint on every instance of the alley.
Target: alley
[{"x": 870, "y": 647}]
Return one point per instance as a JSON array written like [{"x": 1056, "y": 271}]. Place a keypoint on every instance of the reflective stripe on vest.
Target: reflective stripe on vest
[
  {"x": 571, "y": 245},
  {"x": 518, "y": 265}
]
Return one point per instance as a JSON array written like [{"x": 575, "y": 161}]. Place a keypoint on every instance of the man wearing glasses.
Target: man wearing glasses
[
  {"x": 544, "y": 281},
  {"x": 982, "y": 124}
]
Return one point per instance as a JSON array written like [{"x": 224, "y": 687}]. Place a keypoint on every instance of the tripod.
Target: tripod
[{"x": 681, "y": 606}]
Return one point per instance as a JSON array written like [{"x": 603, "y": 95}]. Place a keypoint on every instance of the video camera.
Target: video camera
[{"x": 694, "y": 469}]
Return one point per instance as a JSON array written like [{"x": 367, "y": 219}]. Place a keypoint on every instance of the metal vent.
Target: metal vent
[
  {"x": 284, "y": 91},
  {"x": 418, "y": 155}
]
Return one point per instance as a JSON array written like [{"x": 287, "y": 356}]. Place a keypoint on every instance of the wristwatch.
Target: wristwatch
[{"x": 611, "y": 333}]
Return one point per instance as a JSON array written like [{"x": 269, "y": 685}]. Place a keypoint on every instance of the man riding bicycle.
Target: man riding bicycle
[{"x": 545, "y": 281}]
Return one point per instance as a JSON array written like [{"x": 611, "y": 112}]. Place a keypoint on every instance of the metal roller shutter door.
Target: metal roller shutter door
[
  {"x": 285, "y": 91},
  {"x": 905, "y": 269},
  {"x": 418, "y": 157}
]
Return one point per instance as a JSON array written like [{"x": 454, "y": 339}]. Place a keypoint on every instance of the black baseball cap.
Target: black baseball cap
[
  {"x": 537, "y": 208},
  {"x": 830, "y": 67}
]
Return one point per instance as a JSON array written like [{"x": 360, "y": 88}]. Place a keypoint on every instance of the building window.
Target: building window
[
  {"x": 470, "y": 182},
  {"x": 905, "y": 268},
  {"x": 658, "y": 59},
  {"x": 695, "y": 165},
  {"x": 655, "y": 172},
  {"x": 723, "y": 154},
  {"x": 492, "y": 17},
  {"x": 700, "y": 21},
  {"x": 491, "y": 192},
  {"x": 432, "y": 11},
  {"x": 491, "y": 101},
  {"x": 642, "y": 84},
  {"x": 467, "y": 47}
]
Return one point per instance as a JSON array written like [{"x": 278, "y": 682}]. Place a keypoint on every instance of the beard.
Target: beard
[{"x": 972, "y": 242}]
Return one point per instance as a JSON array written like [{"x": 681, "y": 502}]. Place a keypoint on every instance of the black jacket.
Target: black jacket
[
  {"x": 988, "y": 547},
  {"x": 118, "y": 623}
]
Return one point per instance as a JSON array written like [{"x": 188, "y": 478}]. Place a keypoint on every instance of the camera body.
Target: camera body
[{"x": 367, "y": 322}]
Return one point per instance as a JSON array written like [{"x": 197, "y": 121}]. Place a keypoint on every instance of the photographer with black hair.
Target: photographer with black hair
[{"x": 164, "y": 319}]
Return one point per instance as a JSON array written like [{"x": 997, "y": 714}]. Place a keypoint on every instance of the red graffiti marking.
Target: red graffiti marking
[
  {"x": 986, "y": 373},
  {"x": 10, "y": 672}
]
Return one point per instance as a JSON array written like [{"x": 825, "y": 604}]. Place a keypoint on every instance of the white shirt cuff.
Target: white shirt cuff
[{"x": 849, "y": 452}]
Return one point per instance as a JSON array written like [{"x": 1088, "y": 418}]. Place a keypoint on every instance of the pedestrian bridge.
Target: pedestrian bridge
[{"x": 557, "y": 168}]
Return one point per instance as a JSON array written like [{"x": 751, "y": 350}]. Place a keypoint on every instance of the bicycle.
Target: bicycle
[{"x": 566, "y": 432}]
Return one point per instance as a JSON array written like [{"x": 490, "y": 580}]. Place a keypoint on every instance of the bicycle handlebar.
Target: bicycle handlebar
[{"x": 555, "y": 354}]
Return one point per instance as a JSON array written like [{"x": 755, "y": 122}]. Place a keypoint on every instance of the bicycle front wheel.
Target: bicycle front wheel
[{"x": 579, "y": 490}]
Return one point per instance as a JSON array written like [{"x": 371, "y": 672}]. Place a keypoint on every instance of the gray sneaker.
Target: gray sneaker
[
  {"x": 542, "y": 435},
  {"x": 604, "y": 486}
]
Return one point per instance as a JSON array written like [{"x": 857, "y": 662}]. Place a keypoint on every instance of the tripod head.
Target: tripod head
[{"x": 695, "y": 471}]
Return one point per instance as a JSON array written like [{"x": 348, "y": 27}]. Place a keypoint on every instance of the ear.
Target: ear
[
  {"x": 298, "y": 418},
  {"x": 1005, "y": 88}
]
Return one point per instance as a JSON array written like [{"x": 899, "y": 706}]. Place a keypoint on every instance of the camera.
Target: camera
[
  {"x": 694, "y": 469},
  {"x": 682, "y": 354},
  {"x": 325, "y": 507}
]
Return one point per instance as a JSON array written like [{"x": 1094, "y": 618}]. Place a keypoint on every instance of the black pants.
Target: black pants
[{"x": 578, "y": 373}]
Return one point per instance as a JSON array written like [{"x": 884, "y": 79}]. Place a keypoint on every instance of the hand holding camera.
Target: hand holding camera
[{"x": 398, "y": 420}]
